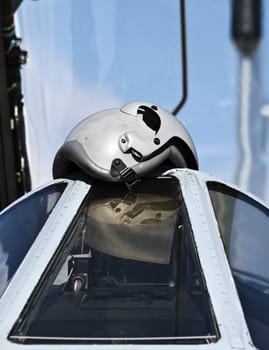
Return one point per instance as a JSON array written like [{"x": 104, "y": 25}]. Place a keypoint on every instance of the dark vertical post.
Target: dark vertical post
[
  {"x": 8, "y": 179},
  {"x": 246, "y": 25},
  {"x": 14, "y": 170}
]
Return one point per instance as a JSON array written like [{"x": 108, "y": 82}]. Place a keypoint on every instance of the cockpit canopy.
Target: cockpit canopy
[
  {"x": 105, "y": 264},
  {"x": 126, "y": 272}
]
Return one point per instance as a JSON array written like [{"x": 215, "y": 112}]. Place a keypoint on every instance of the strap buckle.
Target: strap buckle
[{"x": 127, "y": 175}]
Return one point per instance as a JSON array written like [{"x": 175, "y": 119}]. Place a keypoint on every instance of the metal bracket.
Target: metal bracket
[{"x": 127, "y": 175}]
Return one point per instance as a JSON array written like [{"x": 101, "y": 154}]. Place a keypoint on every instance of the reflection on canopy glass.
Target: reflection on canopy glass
[
  {"x": 243, "y": 225},
  {"x": 130, "y": 274},
  {"x": 19, "y": 227}
]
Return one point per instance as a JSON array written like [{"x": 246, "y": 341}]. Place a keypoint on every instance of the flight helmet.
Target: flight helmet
[{"x": 126, "y": 144}]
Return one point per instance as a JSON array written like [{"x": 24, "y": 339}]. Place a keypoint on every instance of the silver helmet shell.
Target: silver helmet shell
[{"x": 126, "y": 143}]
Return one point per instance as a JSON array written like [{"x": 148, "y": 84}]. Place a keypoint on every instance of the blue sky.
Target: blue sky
[{"x": 90, "y": 55}]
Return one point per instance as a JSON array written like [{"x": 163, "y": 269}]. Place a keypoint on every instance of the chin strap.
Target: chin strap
[{"x": 127, "y": 175}]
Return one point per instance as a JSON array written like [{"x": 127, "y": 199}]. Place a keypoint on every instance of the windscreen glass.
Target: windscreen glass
[
  {"x": 243, "y": 225},
  {"x": 19, "y": 227},
  {"x": 129, "y": 274}
]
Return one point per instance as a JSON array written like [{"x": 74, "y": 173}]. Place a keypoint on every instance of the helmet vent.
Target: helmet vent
[{"x": 150, "y": 118}]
